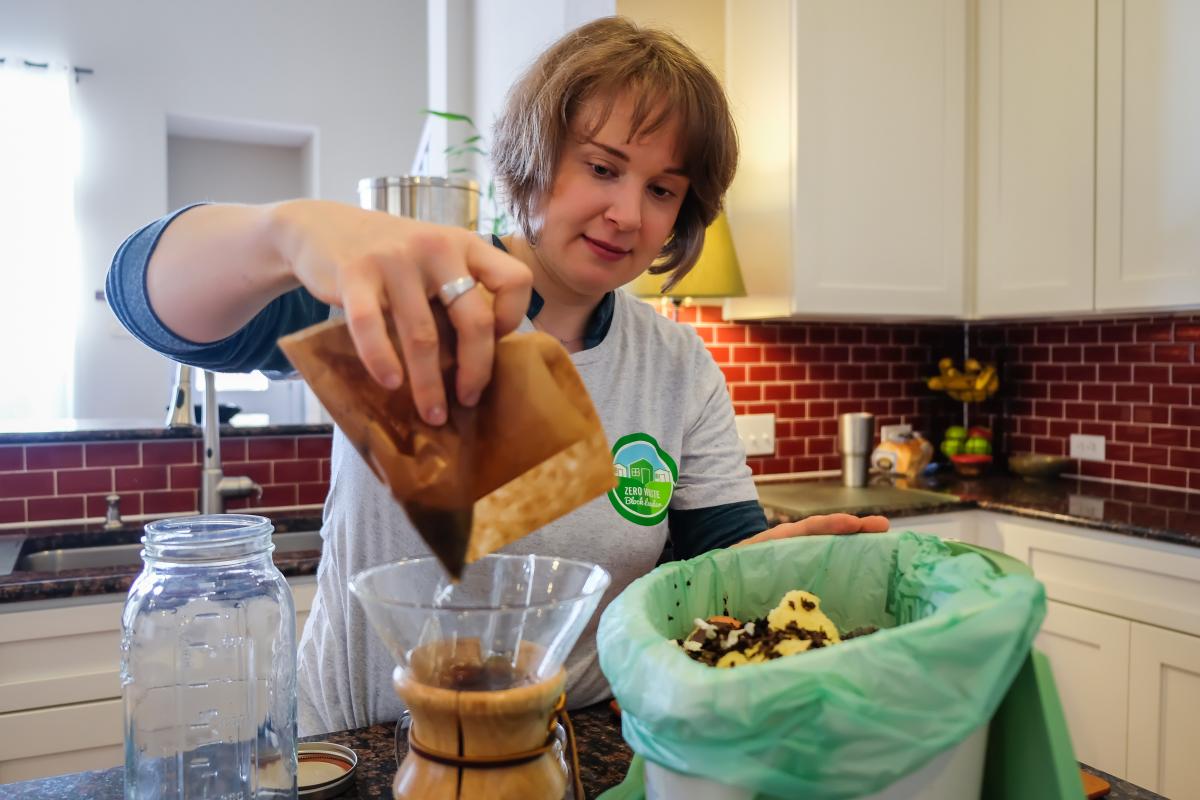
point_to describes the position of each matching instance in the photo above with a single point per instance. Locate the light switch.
(757, 432)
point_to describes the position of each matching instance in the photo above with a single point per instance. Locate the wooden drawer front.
(1138, 579)
(1089, 655)
(59, 656)
(304, 589)
(958, 525)
(73, 654)
(30, 769)
(1164, 712)
(50, 741)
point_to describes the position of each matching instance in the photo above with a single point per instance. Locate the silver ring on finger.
(452, 290)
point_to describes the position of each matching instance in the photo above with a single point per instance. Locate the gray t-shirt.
(666, 412)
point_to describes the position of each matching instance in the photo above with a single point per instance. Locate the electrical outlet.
(1082, 506)
(757, 432)
(1087, 448)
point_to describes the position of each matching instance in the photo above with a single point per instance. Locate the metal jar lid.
(324, 769)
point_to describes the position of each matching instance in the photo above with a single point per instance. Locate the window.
(39, 254)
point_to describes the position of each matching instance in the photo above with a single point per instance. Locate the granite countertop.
(108, 430)
(1145, 512)
(1150, 513)
(603, 759)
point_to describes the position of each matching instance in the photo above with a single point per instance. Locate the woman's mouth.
(605, 250)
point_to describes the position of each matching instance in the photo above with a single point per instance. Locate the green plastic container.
(1029, 748)
(1029, 754)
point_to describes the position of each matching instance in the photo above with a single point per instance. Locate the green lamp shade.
(716, 274)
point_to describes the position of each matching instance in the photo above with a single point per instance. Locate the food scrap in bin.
(796, 625)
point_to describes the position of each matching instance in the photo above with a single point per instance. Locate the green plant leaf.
(456, 150)
(452, 117)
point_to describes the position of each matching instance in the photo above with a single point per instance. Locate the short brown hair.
(668, 81)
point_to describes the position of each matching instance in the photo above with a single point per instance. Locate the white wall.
(239, 172)
(478, 48)
(353, 73)
(700, 24)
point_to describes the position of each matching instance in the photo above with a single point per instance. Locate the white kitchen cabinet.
(1147, 161)
(1089, 654)
(1138, 579)
(850, 196)
(958, 525)
(973, 527)
(1088, 173)
(60, 690)
(42, 742)
(1164, 712)
(1036, 156)
(1123, 635)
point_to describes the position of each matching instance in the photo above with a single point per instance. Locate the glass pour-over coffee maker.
(480, 668)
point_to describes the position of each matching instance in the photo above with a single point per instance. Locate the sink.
(121, 555)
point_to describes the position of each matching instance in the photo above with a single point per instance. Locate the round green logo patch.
(646, 478)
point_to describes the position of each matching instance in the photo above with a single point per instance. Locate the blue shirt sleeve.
(698, 530)
(251, 348)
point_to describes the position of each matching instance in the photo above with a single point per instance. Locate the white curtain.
(39, 253)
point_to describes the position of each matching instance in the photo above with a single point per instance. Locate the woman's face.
(613, 202)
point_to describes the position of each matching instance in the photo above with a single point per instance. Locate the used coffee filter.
(532, 450)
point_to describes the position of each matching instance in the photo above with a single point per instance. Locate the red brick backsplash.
(807, 373)
(1136, 382)
(70, 480)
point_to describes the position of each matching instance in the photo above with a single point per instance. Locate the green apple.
(978, 446)
(956, 432)
(952, 447)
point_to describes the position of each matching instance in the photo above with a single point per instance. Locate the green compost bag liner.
(838, 722)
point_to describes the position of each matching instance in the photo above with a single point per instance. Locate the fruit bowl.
(1033, 466)
(971, 466)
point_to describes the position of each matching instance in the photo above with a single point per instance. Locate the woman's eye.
(661, 192)
(601, 171)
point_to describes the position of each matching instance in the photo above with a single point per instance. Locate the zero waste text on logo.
(646, 478)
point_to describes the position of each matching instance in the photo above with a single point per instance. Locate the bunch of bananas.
(975, 383)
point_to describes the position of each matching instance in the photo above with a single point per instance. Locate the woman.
(614, 150)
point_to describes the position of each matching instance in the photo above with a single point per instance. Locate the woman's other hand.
(821, 525)
(375, 265)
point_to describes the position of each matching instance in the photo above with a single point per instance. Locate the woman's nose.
(625, 209)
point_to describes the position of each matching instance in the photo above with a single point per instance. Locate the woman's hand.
(821, 525)
(374, 264)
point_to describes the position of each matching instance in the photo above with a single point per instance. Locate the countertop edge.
(113, 580)
(152, 434)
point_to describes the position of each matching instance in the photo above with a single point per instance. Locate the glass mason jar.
(208, 664)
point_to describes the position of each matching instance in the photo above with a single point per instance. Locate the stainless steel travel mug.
(856, 438)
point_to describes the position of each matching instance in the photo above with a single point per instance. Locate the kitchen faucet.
(215, 486)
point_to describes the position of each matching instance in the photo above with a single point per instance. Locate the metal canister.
(446, 201)
(856, 438)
